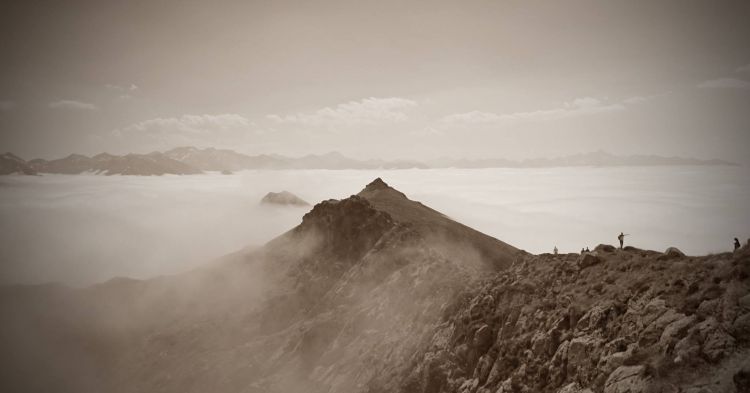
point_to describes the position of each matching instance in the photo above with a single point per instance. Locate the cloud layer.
(577, 107)
(368, 111)
(725, 83)
(72, 105)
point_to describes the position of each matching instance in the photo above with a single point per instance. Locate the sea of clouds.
(82, 229)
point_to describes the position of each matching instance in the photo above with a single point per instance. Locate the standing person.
(621, 238)
(555, 250)
(736, 244)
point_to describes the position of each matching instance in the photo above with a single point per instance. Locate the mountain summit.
(377, 293)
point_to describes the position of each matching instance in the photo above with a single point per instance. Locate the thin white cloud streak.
(368, 111)
(578, 107)
(744, 68)
(219, 130)
(7, 105)
(191, 124)
(724, 83)
(72, 105)
(132, 87)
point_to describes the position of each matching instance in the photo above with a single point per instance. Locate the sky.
(379, 79)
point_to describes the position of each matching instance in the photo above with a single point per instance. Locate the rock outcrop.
(283, 198)
(614, 322)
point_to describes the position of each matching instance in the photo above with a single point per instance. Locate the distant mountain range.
(192, 160)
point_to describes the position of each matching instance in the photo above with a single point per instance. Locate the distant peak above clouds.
(192, 160)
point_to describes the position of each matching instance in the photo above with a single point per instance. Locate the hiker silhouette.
(621, 238)
(736, 244)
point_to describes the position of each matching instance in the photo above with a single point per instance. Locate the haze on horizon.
(416, 80)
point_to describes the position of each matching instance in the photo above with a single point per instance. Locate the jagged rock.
(598, 316)
(588, 259)
(611, 362)
(574, 387)
(675, 331)
(283, 198)
(716, 343)
(583, 355)
(653, 332)
(627, 379)
(483, 339)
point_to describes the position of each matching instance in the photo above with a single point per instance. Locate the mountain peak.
(377, 184)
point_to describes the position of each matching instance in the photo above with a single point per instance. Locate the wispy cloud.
(744, 68)
(368, 111)
(724, 83)
(194, 124)
(132, 87)
(72, 105)
(578, 107)
(6, 105)
(206, 130)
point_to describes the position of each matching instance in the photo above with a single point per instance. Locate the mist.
(84, 229)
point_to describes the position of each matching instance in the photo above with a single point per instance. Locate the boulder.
(588, 259)
(716, 343)
(605, 248)
(675, 331)
(652, 333)
(583, 356)
(627, 379)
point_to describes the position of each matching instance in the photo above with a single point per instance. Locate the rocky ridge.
(610, 321)
(379, 293)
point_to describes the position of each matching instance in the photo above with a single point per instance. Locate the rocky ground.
(378, 293)
(610, 321)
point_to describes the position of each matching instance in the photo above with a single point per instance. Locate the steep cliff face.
(378, 293)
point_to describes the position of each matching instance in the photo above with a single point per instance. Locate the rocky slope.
(610, 321)
(378, 293)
